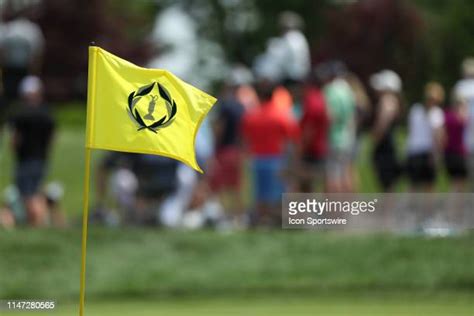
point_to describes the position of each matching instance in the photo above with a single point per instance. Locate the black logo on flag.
(146, 93)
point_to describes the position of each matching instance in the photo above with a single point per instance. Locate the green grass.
(376, 305)
(136, 263)
(148, 272)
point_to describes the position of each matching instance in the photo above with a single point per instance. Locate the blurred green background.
(159, 272)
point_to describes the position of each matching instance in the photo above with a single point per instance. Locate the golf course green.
(447, 304)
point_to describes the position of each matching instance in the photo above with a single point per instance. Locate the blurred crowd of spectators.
(280, 125)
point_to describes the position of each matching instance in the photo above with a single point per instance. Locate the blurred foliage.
(450, 27)
(422, 39)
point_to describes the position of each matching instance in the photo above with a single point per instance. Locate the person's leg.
(310, 174)
(470, 163)
(36, 208)
(347, 184)
(306, 180)
(7, 219)
(232, 167)
(58, 218)
(28, 178)
(334, 173)
(36, 204)
(175, 205)
(456, 167)
(278, 187)
(264, 188)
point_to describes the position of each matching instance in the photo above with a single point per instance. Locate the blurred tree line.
(422, 39)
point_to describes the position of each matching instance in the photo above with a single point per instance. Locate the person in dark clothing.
(33, 129)
(138, 183)
(387, 84)
(226, 172)
(21, 51)
(226, 167)
(157, 179)
(455, 152)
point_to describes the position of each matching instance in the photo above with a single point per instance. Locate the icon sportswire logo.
(146, 93)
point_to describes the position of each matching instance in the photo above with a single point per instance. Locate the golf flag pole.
(85, 217)
(87, 169)
(137, 110)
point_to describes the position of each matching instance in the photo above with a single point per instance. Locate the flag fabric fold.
(140, 110)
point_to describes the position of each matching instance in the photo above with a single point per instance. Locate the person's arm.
(243, 137)
(218, 128)
(15, 141)
(102, 173)
(307, 131)
(293, 134)
(16, 137)
(439, 133)
(101, 177)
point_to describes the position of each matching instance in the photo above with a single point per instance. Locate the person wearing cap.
(464, 89)
(21, 48)
(426, 138)
(32, 129)
(387, 85)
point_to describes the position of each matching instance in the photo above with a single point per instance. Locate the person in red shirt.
(314, 137)
(267, 133)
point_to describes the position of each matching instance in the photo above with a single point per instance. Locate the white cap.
(30, 84)
(240, 75)
(386, 80)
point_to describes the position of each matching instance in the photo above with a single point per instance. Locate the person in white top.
(287, 57)
(464, 89)
(21, 48)
(425, 140)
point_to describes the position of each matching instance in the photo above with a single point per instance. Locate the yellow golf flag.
(140, 110)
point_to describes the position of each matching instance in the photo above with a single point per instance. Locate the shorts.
(226, 170)
(268, 185)
(470, 169)
(421, 168)
(337, 164)
(312, 166)
(455, 165)
(387, 170)
(29, 175)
